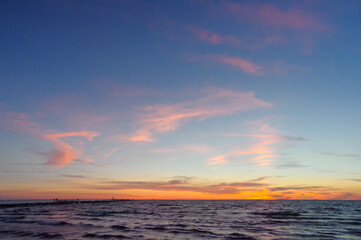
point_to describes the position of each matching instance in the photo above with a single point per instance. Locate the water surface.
(184, 219)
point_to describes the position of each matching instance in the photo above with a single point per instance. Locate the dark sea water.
(157, 219)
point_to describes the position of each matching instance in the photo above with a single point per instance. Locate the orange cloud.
(217, 102)
(88, 135)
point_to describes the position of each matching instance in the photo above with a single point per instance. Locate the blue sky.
(132, 96)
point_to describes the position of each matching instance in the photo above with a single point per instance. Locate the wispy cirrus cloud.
(215, 102)
(240, 63)
(272, 23)
(279, 137)
(73, 176)
(74, 111)
(200, 149)
(20, 123)
(261, 152)
(270, 15)
(214, 38)
(250, 42)
(248, 66)
(111, 152)
(342, 155)
(290, 164)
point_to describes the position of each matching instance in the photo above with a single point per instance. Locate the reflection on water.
(159, 219)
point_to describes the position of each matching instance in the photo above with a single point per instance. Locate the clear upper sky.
(195, 99)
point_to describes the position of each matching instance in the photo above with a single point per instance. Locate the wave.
(279, 214)
(105, 236)
(42, 235)
(239, 236)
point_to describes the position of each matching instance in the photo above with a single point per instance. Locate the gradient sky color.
(194, 99)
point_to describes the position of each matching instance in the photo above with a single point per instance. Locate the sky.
(191, 99)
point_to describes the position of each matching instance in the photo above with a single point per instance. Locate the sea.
(185, 219)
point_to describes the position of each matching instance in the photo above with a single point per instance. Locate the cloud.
(288, 188)
(180, 184)
(245, 65)
(261, 152)
(201, 149)
(216, 102)
(354, 179)
(89, 135)
(73, 176)
(272, 24)
(250, 43)
(291, 164)
(20, 123)
(75, 112)
(64, 153)
(214, 38)
(278, 137)
(111, 152)
(343, 155)
(270, 15)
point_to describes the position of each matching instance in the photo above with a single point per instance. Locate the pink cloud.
(111, 152)
(261, 152)
(201, 149)
(88, 135)
(245, 65)
(214, 38)
(217, 102)
(20, 123)
(278, 137)
(249, 43)
(75, 112)
(275, 39)
(270, 15)
(64, 153)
